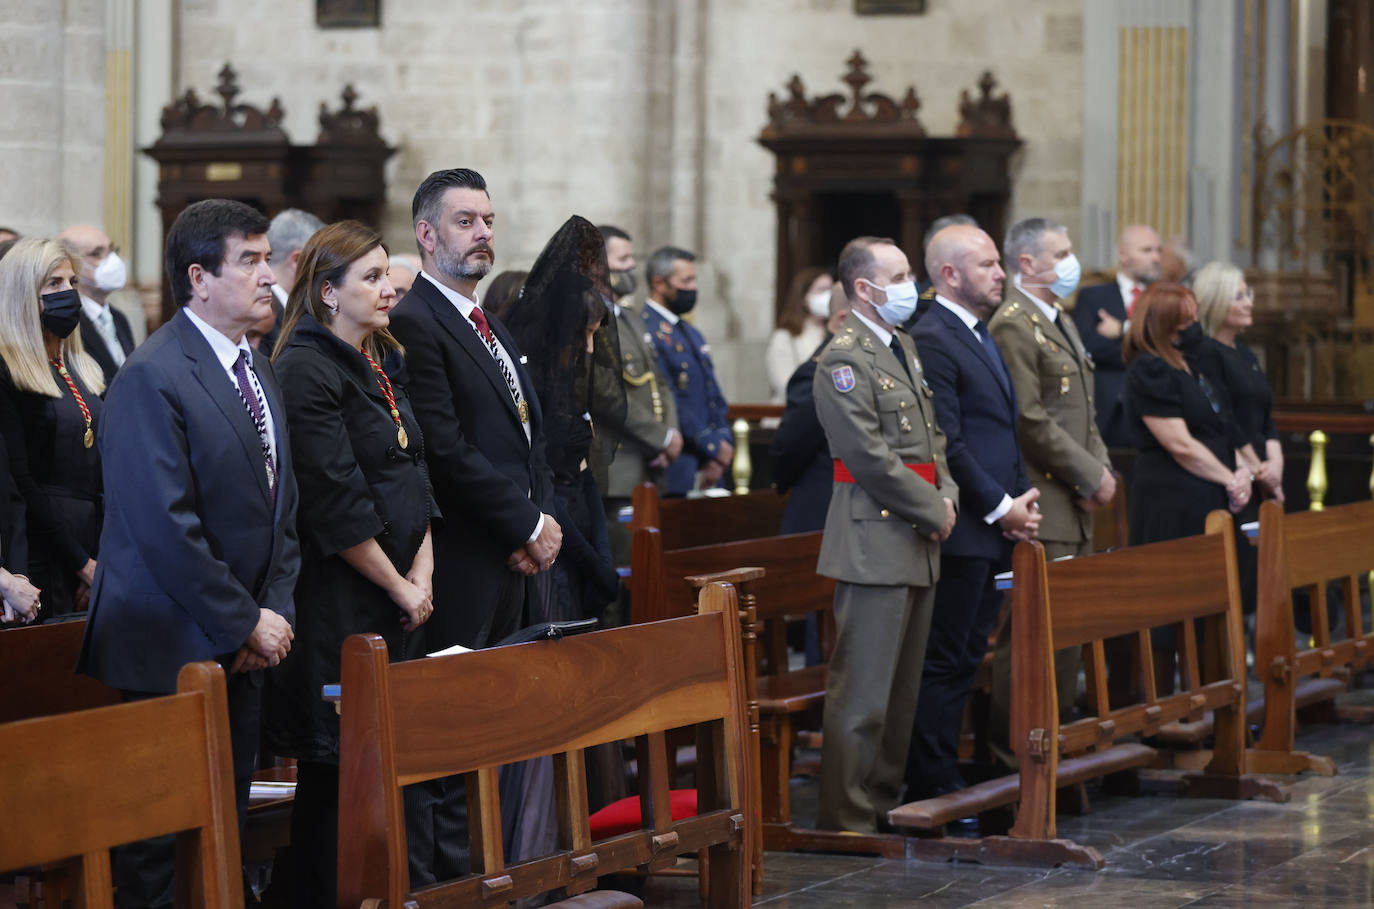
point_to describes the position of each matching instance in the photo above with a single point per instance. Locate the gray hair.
(290, 230)
(944, 221)
(660, 264)
(1027, 237)
(402, 261)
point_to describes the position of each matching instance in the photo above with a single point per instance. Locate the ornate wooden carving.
(348, 126)
(986, 116)
(797, 113)
(861, 162)
(187, 120)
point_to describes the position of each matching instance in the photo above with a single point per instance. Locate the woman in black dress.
(49, 412)
(1179, 424)
(364, 517)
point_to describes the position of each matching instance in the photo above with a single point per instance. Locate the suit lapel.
(462, 331)
(212, 377)
(507, 341)
(970, 339)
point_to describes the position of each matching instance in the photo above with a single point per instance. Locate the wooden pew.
(38, 672)
(1308, 549)
(708, 519)
(1059, 604)
(408, 722)
(78, 783)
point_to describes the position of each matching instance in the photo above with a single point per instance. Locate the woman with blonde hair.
(364, 518)
(49, 412)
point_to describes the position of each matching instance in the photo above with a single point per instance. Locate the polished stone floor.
(1316, 850)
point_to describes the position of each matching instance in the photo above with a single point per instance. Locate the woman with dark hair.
(801, 328)
(1179, 423)
(502, 293)
(363, 520)
(49, 412)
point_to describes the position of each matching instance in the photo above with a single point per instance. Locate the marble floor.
(1316, 850)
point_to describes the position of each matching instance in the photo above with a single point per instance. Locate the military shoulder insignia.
(843, 341)
(843, 376)
(867, 342)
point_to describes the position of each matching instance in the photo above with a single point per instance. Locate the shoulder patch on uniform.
(843, 376)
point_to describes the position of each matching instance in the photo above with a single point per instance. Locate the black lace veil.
(567, 290)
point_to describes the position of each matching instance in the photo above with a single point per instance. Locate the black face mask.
(61, 312)
(682, 302)
(1190, 336)
(623, 283)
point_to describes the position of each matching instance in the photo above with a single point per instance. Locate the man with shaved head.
(1102, 315)
(105, 332)
(892, 504)
(975, 402)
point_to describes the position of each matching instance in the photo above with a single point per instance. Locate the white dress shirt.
(227, 352)
(969, 319)
(465, 308)
(672, 317)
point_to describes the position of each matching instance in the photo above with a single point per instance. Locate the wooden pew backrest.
(708, 519)
(38, 663)
(78, 783)
(408, 722)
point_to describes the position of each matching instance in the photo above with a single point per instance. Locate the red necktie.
(1135, 295)
(479, 319)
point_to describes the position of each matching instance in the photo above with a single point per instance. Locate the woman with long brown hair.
(363, 520)
(801, 328)
(49, 412)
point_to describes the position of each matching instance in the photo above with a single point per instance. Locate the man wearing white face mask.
(105, 332)
(1066, 458)
(893, 503)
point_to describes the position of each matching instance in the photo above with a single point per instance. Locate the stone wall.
(639, 112)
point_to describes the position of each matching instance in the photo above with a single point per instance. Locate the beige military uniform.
(1064, 455)
(650, 408)
(877, 544)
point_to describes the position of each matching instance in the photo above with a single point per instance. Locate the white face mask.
(901, 302)
(1067, 271)
(110, 274)
(818, 304)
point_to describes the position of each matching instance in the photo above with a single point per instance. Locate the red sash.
(925, 470)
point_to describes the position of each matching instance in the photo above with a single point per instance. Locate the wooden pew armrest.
(791, 692)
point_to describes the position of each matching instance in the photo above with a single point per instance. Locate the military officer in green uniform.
(1065, 456)
(649, 439)
(893, 503)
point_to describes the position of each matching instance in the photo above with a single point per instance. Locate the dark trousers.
(966, 605)
(145, 871)
(315, 836)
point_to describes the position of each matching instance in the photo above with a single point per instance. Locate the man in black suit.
(1102, 316)
(199, 556)
(975, 403)
(105, 331)
(484, 438)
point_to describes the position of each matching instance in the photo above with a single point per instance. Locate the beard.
(451, 265)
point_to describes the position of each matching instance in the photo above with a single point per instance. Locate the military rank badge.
(886, 384)
(843, 377)
(904, 424)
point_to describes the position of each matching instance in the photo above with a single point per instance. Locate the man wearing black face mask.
(685, 358)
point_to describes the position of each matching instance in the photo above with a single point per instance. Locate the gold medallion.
(401, 437)
(524, 410)
(88, 439)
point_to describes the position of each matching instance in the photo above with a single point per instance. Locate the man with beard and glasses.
(484, 446)
(685, 357)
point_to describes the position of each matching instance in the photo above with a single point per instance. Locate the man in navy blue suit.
(708, 443)
(199, 556)
(975, 403)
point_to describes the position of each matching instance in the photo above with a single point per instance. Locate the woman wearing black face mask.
(49, 413)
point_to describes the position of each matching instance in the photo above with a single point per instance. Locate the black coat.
(491, 481)
(356, 484)
(801, 457)
(59, 478)
(94, 342)
(1110, 370)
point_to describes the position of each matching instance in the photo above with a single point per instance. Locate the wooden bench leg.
(775, 746)
(1225, 786)
(1005, 850)
(1288, 762)
(1351, 713)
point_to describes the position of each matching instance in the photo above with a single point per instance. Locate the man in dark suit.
(1102, 316)
(484, 439)
(199, 556)
(975, 403)
(685, 357)
(105, 331)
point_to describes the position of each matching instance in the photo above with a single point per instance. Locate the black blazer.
(1106, 353)
(94, 342)
(491, 482)
(192, 547)
(801, 457)
(978, 413)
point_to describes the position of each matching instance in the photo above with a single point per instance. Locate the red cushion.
(624, 815)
